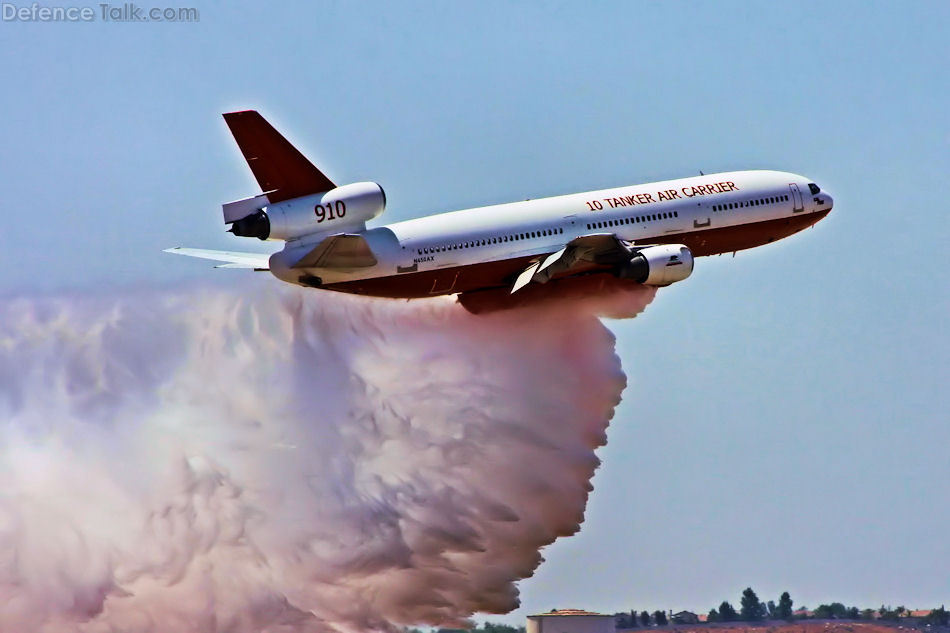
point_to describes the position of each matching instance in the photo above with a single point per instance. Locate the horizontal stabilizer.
(256, 261)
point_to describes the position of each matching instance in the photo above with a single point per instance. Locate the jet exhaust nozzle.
(255, 225)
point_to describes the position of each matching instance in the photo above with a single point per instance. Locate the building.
(571, 621)
(684, 617)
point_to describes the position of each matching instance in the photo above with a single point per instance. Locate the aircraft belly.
(727, 239)
(501, 273)
(429, 283)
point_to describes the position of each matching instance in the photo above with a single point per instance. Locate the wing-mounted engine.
(659, 265)
(345, 208)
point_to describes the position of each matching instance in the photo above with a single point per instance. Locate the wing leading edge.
(345, 251)
(255, 261)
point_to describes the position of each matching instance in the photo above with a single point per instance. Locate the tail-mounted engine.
(659, 265)
(344, 208)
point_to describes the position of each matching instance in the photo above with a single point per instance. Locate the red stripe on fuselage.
(500, 273)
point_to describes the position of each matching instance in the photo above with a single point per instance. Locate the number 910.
(330, 210)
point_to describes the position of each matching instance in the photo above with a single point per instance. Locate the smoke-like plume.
(287, 460)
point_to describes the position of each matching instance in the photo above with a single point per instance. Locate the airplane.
(499, 256)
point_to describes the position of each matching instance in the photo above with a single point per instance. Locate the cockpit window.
(815, 189)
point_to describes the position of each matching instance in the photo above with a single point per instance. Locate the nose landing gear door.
(796, 198)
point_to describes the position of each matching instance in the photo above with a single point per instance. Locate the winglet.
(277, 165)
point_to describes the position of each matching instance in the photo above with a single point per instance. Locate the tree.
(713, 616)
(627, 620)
(751, 609)
(660, 618)
(785, 606)
(867, 614)
(853, 613)
(771, 610)
(645, 618)
(939, 617)
(494, 627)
(727, 613)
(835, 610)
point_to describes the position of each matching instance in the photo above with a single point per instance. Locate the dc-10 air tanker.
(493, 257)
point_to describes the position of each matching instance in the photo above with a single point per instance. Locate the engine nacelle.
(659, 265)
(346, 207)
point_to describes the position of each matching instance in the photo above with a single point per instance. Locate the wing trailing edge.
(595, 249)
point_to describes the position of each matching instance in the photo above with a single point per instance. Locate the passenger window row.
(500, 239)
(749, 203)
(636, 219)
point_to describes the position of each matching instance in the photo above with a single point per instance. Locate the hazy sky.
(786, 424)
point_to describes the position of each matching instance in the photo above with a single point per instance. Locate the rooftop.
(563, 612)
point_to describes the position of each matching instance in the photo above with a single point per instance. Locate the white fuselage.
(711, 214)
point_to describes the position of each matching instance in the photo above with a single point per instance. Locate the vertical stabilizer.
(279, 167)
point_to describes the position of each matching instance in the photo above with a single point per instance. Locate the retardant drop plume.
(284, 460)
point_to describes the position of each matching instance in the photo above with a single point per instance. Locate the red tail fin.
(274, 161)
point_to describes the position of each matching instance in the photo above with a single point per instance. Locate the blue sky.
(786, 423)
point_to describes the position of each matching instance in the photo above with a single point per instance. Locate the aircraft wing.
(345, 250)
(256, 261)
(597, 248)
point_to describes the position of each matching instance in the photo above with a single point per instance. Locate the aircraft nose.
(825, 202)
